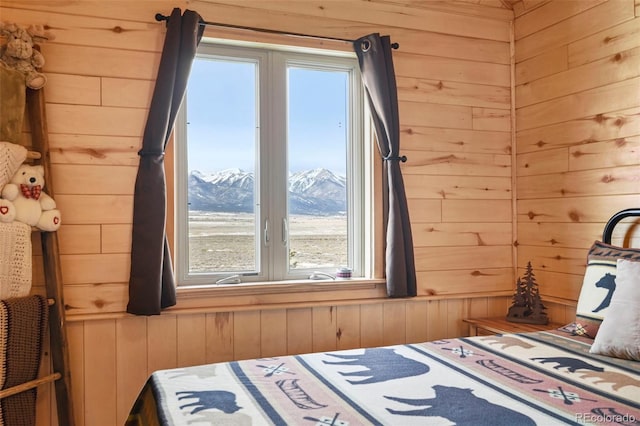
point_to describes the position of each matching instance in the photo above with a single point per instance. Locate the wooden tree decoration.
(527, 305)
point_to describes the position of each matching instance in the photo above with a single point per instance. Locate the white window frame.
(272, 100)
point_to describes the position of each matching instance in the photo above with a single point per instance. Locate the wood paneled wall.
(577, 104)
(455, 71)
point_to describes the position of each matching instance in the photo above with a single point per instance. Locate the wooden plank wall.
(578, 132)
(455, 90)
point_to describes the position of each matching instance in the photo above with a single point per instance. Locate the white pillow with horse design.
(599, 285)
(619, 333)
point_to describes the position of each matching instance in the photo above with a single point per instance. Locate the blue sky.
(222, 117)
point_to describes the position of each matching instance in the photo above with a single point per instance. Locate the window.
(270, 166)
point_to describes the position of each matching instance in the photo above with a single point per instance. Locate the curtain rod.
(160, 17)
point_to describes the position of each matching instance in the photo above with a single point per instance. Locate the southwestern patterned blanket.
(542, 378)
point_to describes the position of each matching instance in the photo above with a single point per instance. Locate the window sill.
(275, 295)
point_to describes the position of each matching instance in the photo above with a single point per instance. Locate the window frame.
(360, 222)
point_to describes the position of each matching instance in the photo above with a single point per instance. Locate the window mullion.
(277, 154)
(265, 231)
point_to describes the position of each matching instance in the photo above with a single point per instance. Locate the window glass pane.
(221, 130)
(317, 152)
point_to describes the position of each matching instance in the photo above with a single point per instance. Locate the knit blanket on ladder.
(23, 322)
(15, 260)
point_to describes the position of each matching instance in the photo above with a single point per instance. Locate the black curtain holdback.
(389, 158)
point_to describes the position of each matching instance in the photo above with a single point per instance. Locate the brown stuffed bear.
(19, 54)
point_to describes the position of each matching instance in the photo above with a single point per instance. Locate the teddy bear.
(19, 53)
(32, 206)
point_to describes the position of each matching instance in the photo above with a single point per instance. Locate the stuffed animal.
(19, 53)
(32, 205)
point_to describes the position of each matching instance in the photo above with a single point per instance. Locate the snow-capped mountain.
(227, 191)
(318, 183)
(313, 192)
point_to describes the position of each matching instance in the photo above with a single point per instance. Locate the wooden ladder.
(53, 278)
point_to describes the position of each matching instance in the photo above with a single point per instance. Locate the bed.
(584, 373)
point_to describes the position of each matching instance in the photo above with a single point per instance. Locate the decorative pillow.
(598, 285)
(619, 334)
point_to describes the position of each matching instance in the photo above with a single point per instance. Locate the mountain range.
(311, 192)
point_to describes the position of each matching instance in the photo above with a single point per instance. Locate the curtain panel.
(151, 281)
(378, 77)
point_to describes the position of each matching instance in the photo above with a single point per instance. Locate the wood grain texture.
(619, 66)
(324, 328)
(388, 14)
(100, 373)
(450, 69)
(542, 65)
(600, 100)
(299, 331)
(94, 149)
(191, 344)
(431, 163)
(595, 182)
(131, 362)
(458, 187)
(605, 43)
(219, 337)
(582, 142)
(75, 333)
(614, 153)
(573, 28)
(416, 321)
(574, 209)
(394, 323)
(246, 335)
(470, 211)
(540, 18)
(348, 327)
(452, 93)
(590, 128)
(451, 282)
(454, 140)
(461, 234)
(162, 341)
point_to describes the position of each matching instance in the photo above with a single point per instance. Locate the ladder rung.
(28, 385)
(34, 155)
(36, 229)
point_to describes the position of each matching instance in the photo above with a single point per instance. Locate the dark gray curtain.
(378, 76)
(151, 282)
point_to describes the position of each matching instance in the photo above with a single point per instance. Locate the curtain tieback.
(390, 158)
(143, 153)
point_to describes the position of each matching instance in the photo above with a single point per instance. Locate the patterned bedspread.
(543, 378)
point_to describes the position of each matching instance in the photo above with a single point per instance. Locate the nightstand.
(500, 325)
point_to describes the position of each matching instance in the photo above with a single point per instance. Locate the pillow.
(619, 334)
(598, 285)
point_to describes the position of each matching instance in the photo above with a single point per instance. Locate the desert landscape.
(226, 241)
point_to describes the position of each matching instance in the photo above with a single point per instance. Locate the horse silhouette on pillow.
(608, 282)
